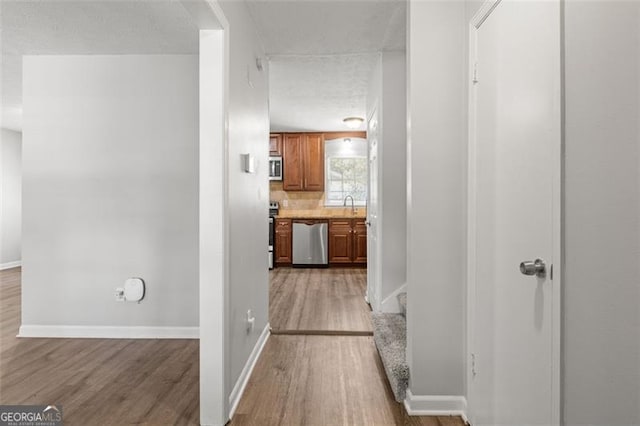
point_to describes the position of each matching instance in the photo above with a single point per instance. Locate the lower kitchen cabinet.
(359, 241)
(340, 241)
(283, 242)
(347, 242)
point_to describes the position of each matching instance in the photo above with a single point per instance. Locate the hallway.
(327, 301)
(323, 380)
(320, 366)
(298, 380)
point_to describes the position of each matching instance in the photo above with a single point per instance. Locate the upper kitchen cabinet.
(303, 157)
(275, 144)
(313, 148)
(293, 179)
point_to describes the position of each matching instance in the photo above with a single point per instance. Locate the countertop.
(326, 213)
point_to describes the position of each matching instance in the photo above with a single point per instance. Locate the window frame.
(328, 180)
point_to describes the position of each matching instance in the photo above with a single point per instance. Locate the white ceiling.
(322, 52)
(314, 93)
(44, 27)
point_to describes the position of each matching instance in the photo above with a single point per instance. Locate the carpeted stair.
(390, 336)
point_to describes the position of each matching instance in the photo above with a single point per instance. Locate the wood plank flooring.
(323, 380)
(299, 380)
(313, 300)
(97, 381)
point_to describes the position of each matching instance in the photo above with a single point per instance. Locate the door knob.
(537, 267)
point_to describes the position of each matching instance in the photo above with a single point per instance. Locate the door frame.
(374, 292)
(213, 269)
(557, 221)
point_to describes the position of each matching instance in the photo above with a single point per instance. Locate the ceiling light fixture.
(353, 122)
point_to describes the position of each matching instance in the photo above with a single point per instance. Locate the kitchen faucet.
(353, 209)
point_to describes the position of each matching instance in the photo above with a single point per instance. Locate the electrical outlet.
(251, 321)
(119, 294)
(285, 203)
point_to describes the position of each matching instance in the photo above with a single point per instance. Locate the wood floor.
(97, 381)
(323, 380)
(307, 301)
(299, 380)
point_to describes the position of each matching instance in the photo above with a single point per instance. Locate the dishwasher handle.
(309, 222)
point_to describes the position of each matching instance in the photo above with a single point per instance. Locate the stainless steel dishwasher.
(310, 243)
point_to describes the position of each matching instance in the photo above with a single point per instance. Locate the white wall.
(436, 182)
(10, 198)
(601, 334)
(387, 92)
(248, 193)
(110, 162)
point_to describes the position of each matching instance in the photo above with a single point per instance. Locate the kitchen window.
(346, 171)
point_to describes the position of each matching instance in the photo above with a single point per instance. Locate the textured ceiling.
(325, 27)
(322, 54)
(314, 93)
(86, 27)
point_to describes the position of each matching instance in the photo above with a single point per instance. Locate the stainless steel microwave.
(275, 167)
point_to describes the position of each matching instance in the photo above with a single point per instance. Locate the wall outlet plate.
(251, 320)
(119, 294)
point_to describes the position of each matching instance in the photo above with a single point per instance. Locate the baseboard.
(436, 405)
(10, 265)
(241, 383)
(108, 332)
(390, 303)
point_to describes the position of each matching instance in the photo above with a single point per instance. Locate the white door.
(514, 213)
(373, 275)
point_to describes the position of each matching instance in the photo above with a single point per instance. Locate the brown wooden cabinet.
(275, 144)
(359, 241)
(340, 241)
(303, 158)
(313, 153)
(293, 168)
(347, 241)
(283, 242)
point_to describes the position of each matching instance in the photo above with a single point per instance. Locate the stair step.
(390, 337)
(402, 300)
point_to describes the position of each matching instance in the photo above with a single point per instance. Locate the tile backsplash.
(296, 200)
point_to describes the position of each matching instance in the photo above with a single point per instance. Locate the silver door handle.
(538, 267)
(367, 223)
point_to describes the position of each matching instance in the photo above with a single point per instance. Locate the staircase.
(390, 337)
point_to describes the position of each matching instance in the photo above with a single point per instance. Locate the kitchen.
(318, 193)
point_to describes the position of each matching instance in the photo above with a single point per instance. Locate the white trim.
(436, 405)
(558, 243)
(214, 222)
(108, 332)
(241, 383)
(391, 304)
(483, 13)
(557, 212)
(10, 265)
(471, 198)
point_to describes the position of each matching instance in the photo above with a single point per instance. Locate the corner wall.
(387, 92)
(110, 183)
(436, 181)
(601, 299)
(10, 199)
(248, 192)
